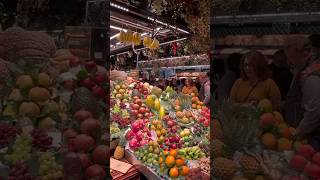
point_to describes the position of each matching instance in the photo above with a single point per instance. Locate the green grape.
(49, 168)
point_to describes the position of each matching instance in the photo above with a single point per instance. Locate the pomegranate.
(89, 126)
(135, 126)
(85, 161)
(133, 143)
(83, 143)
(82, 115)
(96, 171)
(99, 155)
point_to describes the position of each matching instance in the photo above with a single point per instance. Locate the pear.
(9, 111)
(46, 124)
(44, 80)
(24, 82)
(15, 95)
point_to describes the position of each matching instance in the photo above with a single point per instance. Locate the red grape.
(41, 140)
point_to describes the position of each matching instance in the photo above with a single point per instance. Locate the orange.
(200, 103)
(174, 173)
(269, 140)
(193, 94)
(173, 152)
(194, 106)
(179, 162)
(284, 144)
(184, 170)
(199, 107)
(170, 161)
(284, 131)
(159, 126)
(153, 127)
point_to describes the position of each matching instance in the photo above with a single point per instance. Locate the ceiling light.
(165, 24)
(118, 28)
(119, 7)
(114, 36)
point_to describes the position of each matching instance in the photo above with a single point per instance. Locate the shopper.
(281, 73)
(205, 94)
(255, 84)
(307, 56)
(179, 85)
(232, 73)
(189, 88)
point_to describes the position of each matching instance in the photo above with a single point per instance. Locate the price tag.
(56, 138)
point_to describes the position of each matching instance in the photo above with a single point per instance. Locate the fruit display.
(157, 136)
(256, 143)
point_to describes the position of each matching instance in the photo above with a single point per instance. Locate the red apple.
(90, 66)
(142, 110)
(87, 83)
(173, 146)
(100, 78)
(135, 112)
(98, 91)
(140, 115)
(85, 160)
(146, 114)
(147, 110)
(138, 101)
(135, 106)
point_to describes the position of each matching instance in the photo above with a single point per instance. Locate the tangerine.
(269, 140)
(179, 162)
(170, 161)
(173, 152)
(194, 106)
(166, 152)
(284, 144)
(199, 107)
(160, 160)
(184, 170)
(194, 99)
(174, 173)
(163, 131)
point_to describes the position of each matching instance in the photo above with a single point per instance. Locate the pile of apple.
(139, 134)
(139, 109)
(89, 78)
(143, 88)
(121, 92)
(307, 161)
(205, 118)
(84, 142)
(172, 126)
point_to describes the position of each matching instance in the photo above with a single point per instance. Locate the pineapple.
(185, 101)
(224, 168)
(217, 146)
(250, 165)
(119, 152)
(82, 98)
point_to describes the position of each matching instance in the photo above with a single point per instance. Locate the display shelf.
(198, 67)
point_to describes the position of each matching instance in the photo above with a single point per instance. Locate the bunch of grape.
(198, 129)
(20, 171)
(112, 103)
(41, 140)
(123, 105)
(7, 133)
(21, 149)
(49, 168)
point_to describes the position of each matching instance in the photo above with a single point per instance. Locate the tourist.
(255, 84)
(190, 88)
(304, 57)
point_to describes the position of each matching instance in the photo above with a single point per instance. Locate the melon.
(265, 105)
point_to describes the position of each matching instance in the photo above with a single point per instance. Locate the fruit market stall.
(53, 123)
(256, 143)
(161, 133)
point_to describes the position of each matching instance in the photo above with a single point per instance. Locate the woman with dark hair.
(190, 88)
(255, 83)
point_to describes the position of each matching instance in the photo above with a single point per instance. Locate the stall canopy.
(128, 17)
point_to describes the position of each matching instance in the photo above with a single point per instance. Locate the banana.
(154, 45)
(121, 36)
(147, 41)
(129, 37)
(136, 38)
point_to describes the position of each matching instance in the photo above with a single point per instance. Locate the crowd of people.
(199, 87)
(291, 82)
